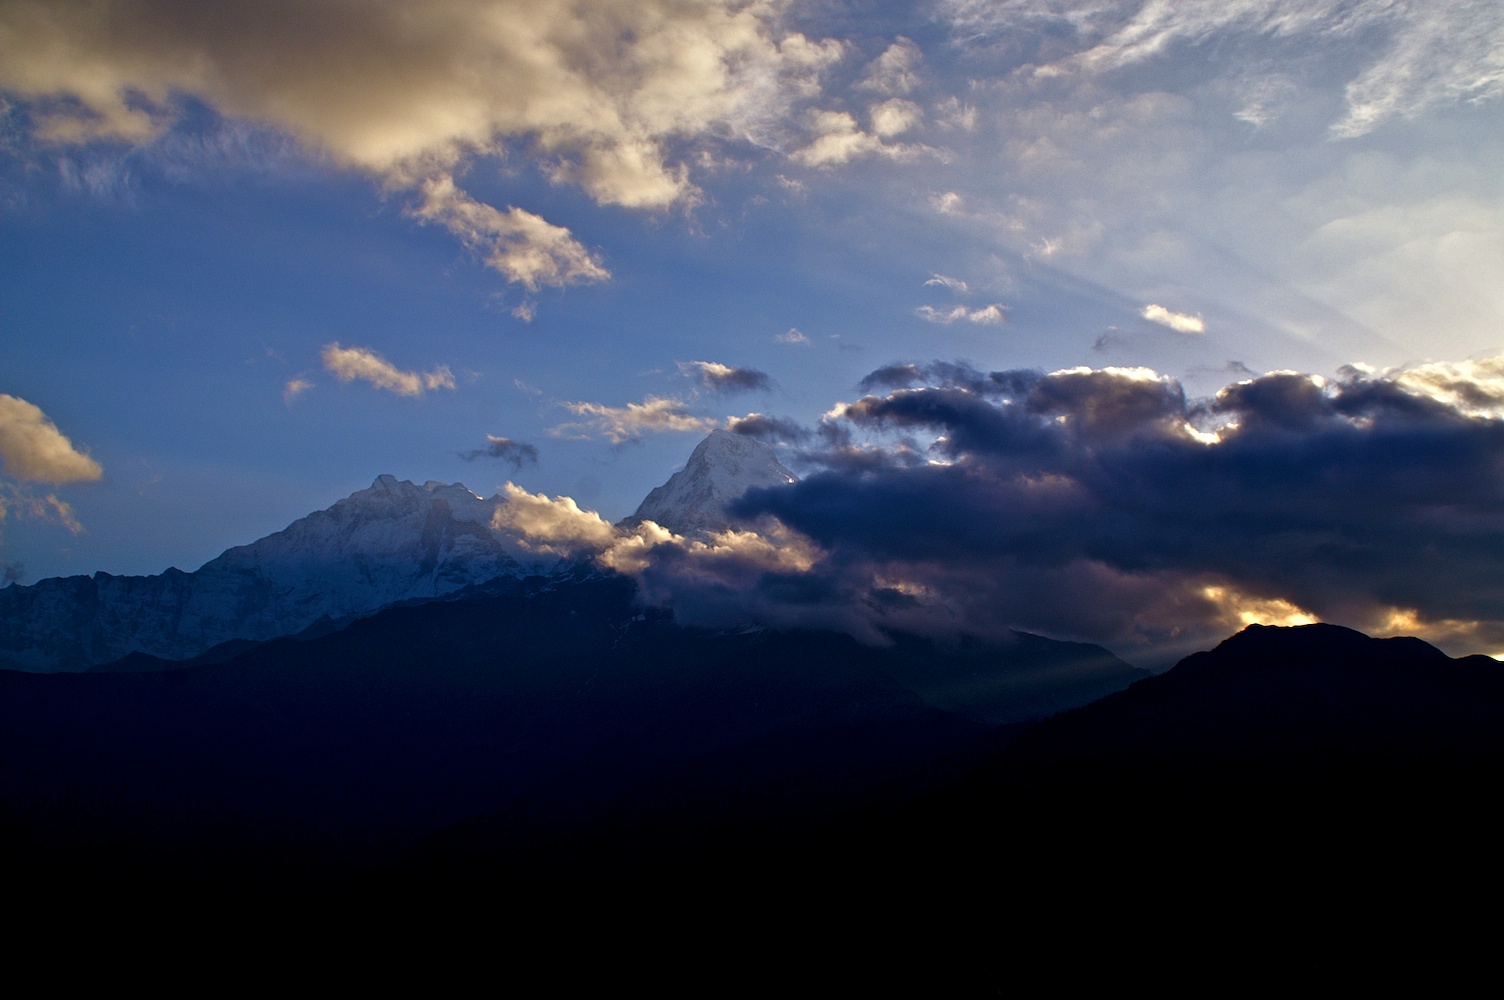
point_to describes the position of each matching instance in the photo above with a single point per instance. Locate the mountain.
(1312, 749)
(719, 470)
(557, 741)
(392, 542)
(538, 714)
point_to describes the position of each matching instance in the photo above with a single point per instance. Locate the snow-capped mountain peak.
(720, 469)
(394, 541)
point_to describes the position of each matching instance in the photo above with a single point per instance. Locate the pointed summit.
(721, 469)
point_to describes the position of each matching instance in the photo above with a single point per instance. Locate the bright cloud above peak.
(620, 424)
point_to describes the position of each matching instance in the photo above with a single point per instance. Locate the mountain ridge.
(390, 542)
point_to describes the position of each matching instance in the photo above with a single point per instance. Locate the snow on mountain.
(392, 542)
(719, 470)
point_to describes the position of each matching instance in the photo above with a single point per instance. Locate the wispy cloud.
(525, 247)
(350, 363)
(838, 138)
(954, 284)
(992, 314)
(620, 424)
(515, 453)
(792, 336)
(773, 430)
(1179, 322)
(1407, 55)
(896, 71)
(294, 388)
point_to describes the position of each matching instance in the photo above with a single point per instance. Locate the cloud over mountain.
(1104, 503)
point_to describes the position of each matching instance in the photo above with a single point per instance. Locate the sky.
(1120, 320)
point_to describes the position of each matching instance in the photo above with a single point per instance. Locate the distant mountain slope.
(554, 708)
(394, 541)
(551, 702)
(721, 468)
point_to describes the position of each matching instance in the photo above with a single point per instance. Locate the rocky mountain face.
(392, 542)
(721, 469)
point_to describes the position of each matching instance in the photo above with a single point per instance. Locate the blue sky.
(255, 257)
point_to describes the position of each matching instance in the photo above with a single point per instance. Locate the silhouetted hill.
(1284, 762)
(540, 714)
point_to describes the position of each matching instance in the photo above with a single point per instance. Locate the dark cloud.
(949, 374)
(772, 430)
(12, 572)
(515, 453)
(715, 377)
(1104, 504)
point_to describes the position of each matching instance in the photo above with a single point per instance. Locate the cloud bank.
(1104, 504)
(599, 94)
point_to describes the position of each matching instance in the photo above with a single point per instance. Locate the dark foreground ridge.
(538, 715)
(556, 743)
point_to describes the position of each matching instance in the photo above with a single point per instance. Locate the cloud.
(599, 94)
(793, 336)
(894, 117)
(954, 284)
(294, 388)
(620, 424)
(838, 140)
(19, 500)
(726, 577)
(896, 71)
(1105, 504)
(1407, 56)
(350, 363)
(1101, 504)
(994, 313)
(525, 247)
(556, 526)
(773, 430)
(715, 377)
(1179, 322)
(34, 450)
(515, 453)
